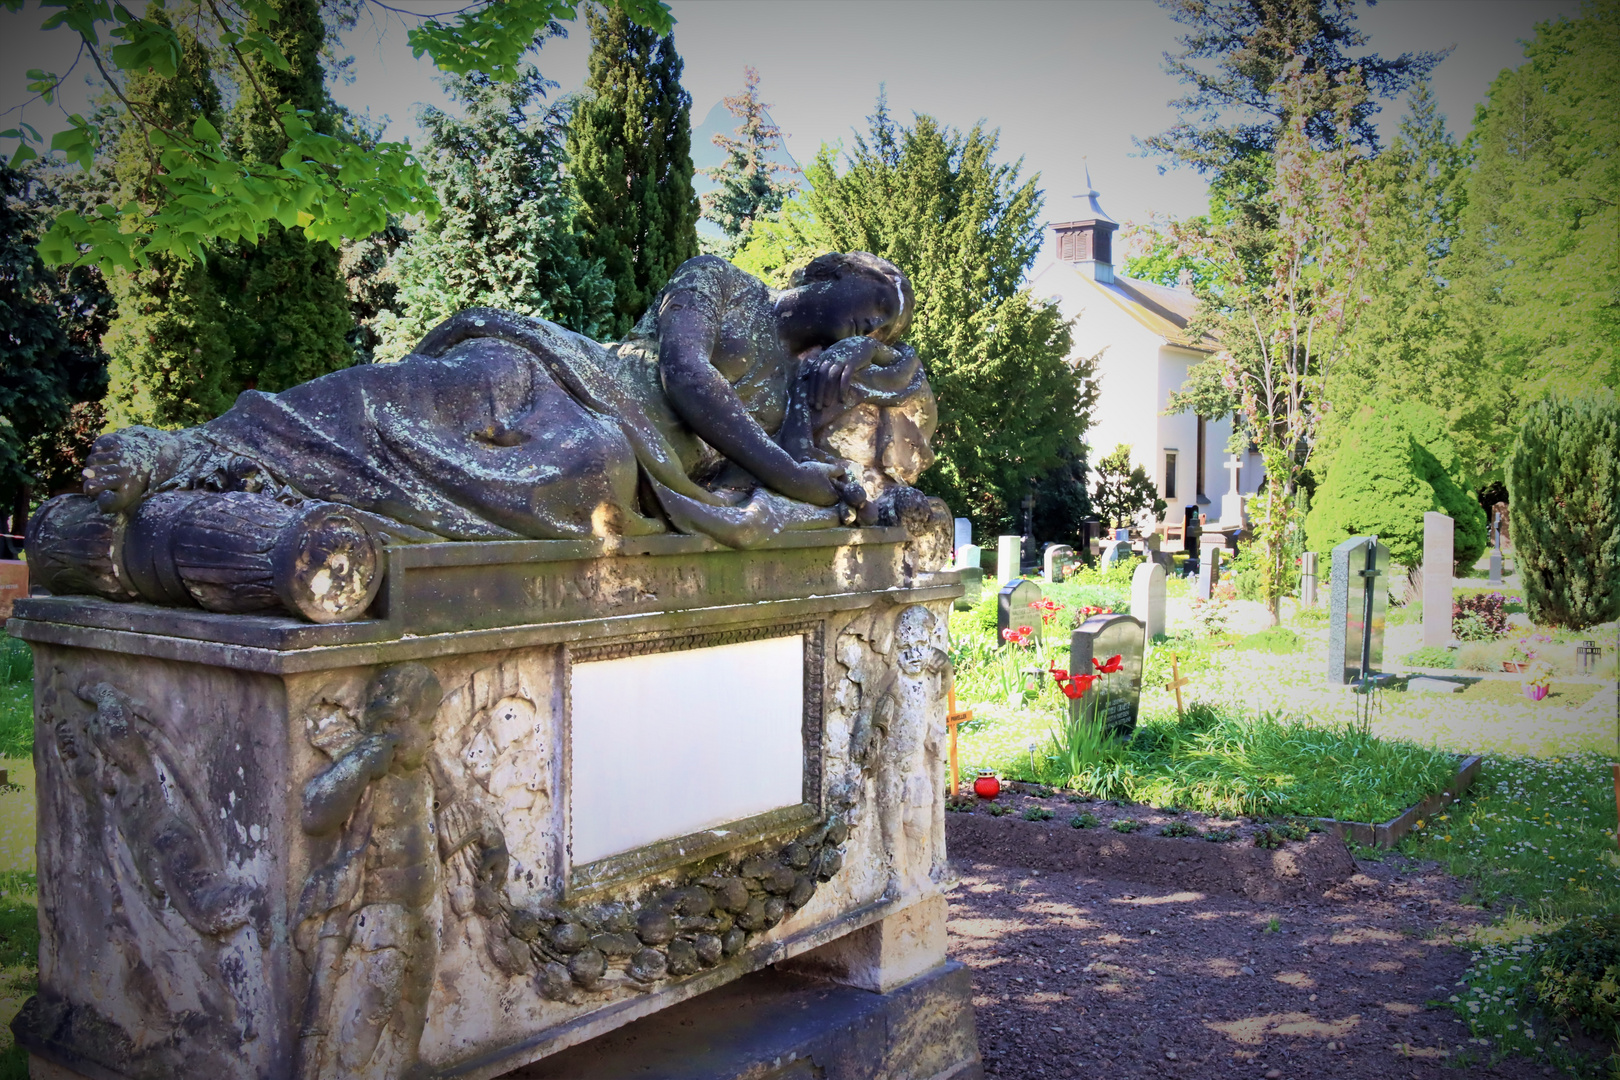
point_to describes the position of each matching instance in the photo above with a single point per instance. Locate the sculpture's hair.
(411, 684)
(834, 265)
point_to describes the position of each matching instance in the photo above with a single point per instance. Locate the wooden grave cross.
(954, 719)
(1177, 681)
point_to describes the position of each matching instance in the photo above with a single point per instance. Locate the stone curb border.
(1389, 833)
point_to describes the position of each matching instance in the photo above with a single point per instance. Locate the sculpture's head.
(403, 700)
(913, 634)
(849, 294)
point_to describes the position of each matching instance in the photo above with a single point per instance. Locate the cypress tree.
(1563, 480)
(169, 356)
(289, 308)
(630, 145)
(748, 188)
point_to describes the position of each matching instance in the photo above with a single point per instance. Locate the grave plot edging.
(1389, 833)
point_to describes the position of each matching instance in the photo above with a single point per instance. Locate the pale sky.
(1067, 83)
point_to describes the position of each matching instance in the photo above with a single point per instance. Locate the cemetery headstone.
(1438, 556)
(1090, 535)
(1232, 502)
(1008, 549)
(1147, 597)
(1014, 608)
(964, 533)
(1496, 568)
(1190, 528)
(1101, 638)
(1209, 570)
(13, 584)
(969, 555)
(972, 586)
(1059, 561)
(1122, 534)
(1359, 600)
(1307, 579)
(1113, 551)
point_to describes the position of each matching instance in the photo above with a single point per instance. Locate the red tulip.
(1113, 664)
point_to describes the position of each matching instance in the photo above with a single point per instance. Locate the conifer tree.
(504, 236)
(931, 199)
(630, 148)
(289, 308)
(169, 355)
(748, 188)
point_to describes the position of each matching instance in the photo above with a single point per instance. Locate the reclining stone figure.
(731, 411)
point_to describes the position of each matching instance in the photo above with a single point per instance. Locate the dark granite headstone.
(1354, 624)
(1099, 638)
(1013, 608)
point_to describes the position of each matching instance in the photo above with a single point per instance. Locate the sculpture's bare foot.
(121, 465)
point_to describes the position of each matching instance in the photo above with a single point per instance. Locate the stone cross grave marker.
(1059, 559)
(1360, 597)
(1013, 608)
(1438, 556)
(1101, 638)
(1232, 502)
(1209, 569)
(964, 533)
(1007, 555)
(1147, 597)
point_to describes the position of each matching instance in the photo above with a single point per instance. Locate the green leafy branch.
(321, 184)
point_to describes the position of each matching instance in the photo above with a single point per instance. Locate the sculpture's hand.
(376, 754)
(816, 482)
(118, 471)
(834, 367)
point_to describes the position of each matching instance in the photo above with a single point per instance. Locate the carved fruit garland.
(679, 931)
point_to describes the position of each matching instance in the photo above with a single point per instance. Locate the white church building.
(1139, 328)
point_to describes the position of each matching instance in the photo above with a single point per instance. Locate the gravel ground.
(1084, 976)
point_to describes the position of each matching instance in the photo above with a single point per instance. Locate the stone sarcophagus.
(387, 849)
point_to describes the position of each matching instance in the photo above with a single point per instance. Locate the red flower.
(1019, 636)
(1058, 674)
(1026, 630)
(1113, 664)
(1077, 685)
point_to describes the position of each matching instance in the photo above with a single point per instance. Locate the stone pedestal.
(1438, 556)
(547, 790)
(774, 1025)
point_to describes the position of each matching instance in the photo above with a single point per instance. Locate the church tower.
(1088, 241)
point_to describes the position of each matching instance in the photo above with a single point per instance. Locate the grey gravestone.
(1122, 534)
(1013, 608)
(964, 533)
(972, 587)
(1147, 597)
(1059, 559)
(969, 555)
(1090, 535)
(1007, 555)
(1438, 537)
(1307, 579)
(1099, 638)
(1360, 596)
(1496, 568)
(1113, 551)
(1209, 570)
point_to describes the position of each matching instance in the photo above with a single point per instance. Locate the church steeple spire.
(1088, 240)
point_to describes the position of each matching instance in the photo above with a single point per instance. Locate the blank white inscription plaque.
(671, 743)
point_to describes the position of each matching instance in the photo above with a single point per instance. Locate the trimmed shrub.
(1393, 465)
(1563, 478)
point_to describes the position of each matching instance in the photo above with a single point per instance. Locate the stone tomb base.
(775, 1025)
(397, 849)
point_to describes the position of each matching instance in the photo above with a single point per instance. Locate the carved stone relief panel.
(156, 849)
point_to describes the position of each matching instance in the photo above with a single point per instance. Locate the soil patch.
(1092, 961)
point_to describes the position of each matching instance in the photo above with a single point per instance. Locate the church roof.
(1163, 310)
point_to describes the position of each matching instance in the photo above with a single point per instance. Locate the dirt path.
(1084, 976)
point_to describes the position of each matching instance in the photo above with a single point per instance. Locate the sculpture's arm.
(708, 403)
(331, 797)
